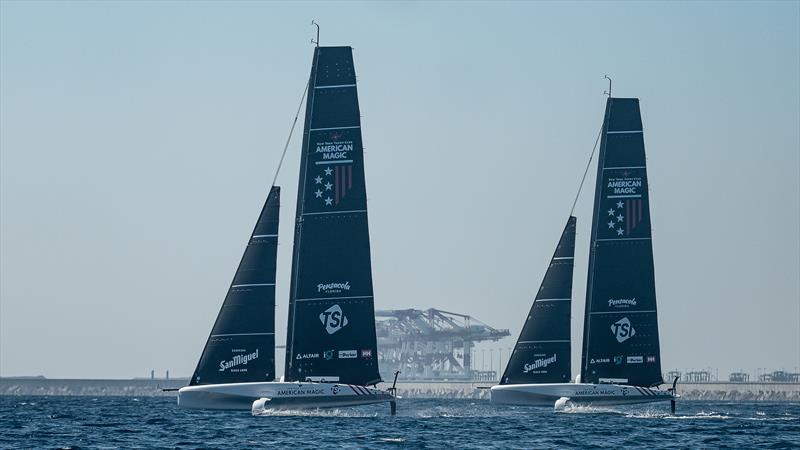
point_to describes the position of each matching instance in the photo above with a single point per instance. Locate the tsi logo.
(333, 319)
(622, 330)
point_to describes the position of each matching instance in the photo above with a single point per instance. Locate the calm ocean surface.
(125, 422)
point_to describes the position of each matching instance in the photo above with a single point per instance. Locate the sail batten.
(620, 337)
(241, 346)
(331, 331)
(542, 352)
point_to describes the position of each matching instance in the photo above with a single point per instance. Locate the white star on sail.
(611, 224)
(328, 201)
(328, 186)
(318, 179)
(328, 171)
(611, 212)
(619, 204)
(620, 217)
(619, 232)
(318, 193)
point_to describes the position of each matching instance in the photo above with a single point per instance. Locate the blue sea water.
(157, 422)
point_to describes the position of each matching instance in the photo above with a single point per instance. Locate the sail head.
(241, 347)
(621, 342)
(542, 352)
(331, 331)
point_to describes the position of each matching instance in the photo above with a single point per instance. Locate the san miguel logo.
(238, 360)
(625, 207)
(622, 330)
(539, 364)
(333, 319)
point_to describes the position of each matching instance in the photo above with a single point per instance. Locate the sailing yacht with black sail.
(621, 359)
(331, 348)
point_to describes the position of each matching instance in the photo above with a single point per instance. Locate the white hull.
(577, 393)
(278, 395)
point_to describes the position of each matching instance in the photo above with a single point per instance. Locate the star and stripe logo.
(333, 183)
(624, 215)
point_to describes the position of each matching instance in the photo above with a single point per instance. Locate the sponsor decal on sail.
(332, 184)
(622, 302)
(333, 288)
(348, 354)
(366, 353)
(539, 364)
(651, 359)
(599, 360)
(238, 360)
(307, 356)
(328, 355)
(333, 319)
(635, 360)
(625, 207)
(334, 147)
(622, 330)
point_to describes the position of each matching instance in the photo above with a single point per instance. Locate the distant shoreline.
(145, 387)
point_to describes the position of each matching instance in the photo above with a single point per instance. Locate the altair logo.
(538, 364)
(333, 288)
(237, 360)
(622, 330)
(333, 319)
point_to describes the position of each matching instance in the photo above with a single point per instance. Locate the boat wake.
(333, 412)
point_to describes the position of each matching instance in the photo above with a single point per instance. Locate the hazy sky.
(138, 141)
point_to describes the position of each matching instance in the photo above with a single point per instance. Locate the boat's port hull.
(577, 393)
(280, 395)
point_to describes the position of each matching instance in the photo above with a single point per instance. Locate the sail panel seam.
(625, 132)
(333, 128)
(253, 284)
(536, 342)
(335, 86)
(623, 312)
(332, 298)
(243, 334)
(624, 239)
(336, 212)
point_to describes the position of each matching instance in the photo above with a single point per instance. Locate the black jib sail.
(241, 347)
(331, 330)
(620, 331)
(542, 353)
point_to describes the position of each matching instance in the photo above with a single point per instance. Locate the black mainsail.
(542, 352)
(331, 330)
(620, 332)
(241, 347)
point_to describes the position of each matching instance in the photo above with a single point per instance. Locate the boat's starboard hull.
(279, 395)
(576, 393)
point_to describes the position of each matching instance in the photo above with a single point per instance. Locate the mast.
(331, 330)
(542, 352)
(620, 332)
(241, 346)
